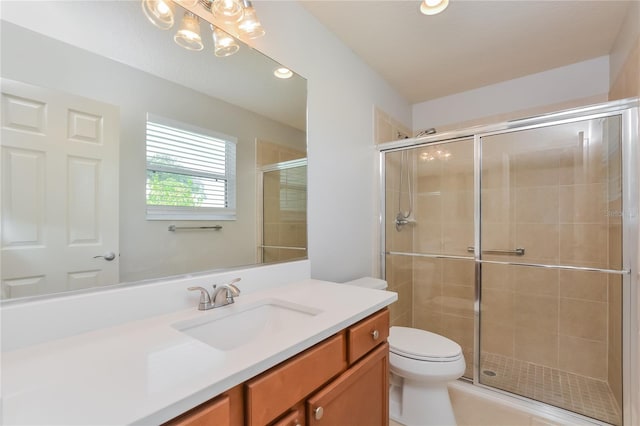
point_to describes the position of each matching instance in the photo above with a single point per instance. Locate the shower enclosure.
(517, 241)
(282, 215)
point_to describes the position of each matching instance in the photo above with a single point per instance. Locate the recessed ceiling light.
(433, 7)
(283, 72)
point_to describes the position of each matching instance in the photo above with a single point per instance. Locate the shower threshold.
(583, 395)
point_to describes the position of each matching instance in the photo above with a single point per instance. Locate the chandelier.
(435, 154)
(239, 15)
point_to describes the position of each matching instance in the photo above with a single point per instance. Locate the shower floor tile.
(584, 395)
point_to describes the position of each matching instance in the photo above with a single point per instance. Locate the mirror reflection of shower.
(404, 217)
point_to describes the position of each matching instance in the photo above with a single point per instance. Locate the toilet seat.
(422, 345)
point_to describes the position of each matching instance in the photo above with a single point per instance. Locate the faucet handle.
(230, 286)
(205, 298)
(234, 289)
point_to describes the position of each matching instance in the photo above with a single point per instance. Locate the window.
(191, 172)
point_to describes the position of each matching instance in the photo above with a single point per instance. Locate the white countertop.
(148, 372)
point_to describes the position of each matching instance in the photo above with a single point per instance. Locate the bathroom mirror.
(83, 85)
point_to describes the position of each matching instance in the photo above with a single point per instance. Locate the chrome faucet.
(223, 295)
(230, 291)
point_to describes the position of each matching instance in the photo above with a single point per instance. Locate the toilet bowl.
(421, 364)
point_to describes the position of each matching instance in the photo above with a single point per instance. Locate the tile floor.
(584, 395)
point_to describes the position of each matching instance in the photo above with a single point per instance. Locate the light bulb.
(188, 36)
(433, 7)
(224, 44)
(229, 11)
(283, 73)
(250, 25)
(159, 12)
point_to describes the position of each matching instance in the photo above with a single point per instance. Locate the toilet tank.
(369, 282)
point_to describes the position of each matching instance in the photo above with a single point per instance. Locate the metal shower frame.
(630, 144)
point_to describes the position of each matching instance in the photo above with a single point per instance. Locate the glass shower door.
(429, 227)
(284, 212)
(551, 280)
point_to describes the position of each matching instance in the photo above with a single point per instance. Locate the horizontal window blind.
(293, 189)
(190, 172)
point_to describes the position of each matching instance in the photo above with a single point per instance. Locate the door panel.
(554, 193)
(550, 205)
(359, 397)
(59, 191)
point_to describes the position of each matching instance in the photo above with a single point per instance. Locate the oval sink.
(251, 323)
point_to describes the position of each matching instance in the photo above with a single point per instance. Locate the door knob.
(108, 256)
(375, 334)
(318, 412)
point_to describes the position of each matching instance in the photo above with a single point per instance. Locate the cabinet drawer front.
(367, 334)
(213, 413)
(273, 393)
(359, 397)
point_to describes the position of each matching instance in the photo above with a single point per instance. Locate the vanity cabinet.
(343, 380)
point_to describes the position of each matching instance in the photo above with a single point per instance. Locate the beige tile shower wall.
(388, 129)
(552, 202)
(443, 294)
(444, 288)
(272, 153)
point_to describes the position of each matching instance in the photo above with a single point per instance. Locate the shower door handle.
(517, 251)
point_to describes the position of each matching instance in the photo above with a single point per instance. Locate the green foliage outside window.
(172, 189)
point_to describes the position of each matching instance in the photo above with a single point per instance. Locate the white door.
(59, 163)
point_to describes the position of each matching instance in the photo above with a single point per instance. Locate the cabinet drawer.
(274, 392)
(367, 334)
(216, 412)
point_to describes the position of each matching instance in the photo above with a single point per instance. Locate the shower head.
(425, 132)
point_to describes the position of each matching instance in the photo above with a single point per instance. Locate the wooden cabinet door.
(359, 397)
(271, 394)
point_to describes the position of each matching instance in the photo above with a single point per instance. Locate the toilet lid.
(423, 345)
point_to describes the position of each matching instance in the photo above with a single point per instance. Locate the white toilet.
(421, 364)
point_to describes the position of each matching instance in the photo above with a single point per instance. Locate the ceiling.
(473, 43)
